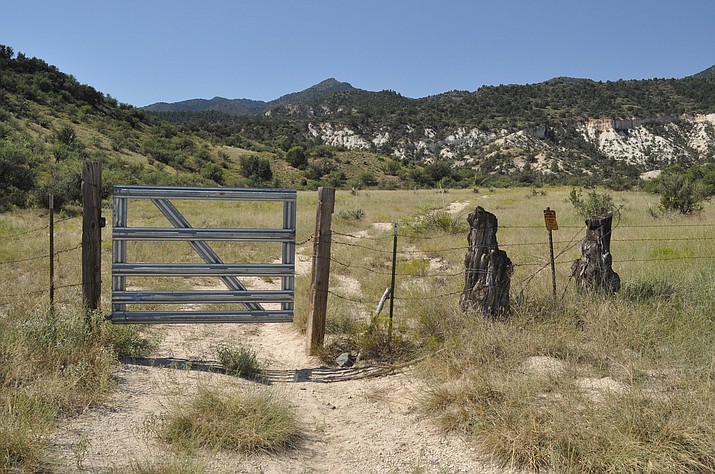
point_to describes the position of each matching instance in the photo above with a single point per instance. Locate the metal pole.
(553, 265)
(52, 252)
(392, 288)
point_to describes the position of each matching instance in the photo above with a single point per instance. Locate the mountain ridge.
(247, 107)
(561, 131)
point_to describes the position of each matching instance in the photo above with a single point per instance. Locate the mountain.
(564, 129)
(247, 107)
(561, 131)
(239, 107)
(708, 73)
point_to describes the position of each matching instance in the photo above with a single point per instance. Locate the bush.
(595, 203)
(679, 193)
(17, 175)
(256, 168)
(242, 362)
(296, 157)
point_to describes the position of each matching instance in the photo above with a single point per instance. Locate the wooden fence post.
(315, 331)
(487, 270)
(91, 234)
(593, 270)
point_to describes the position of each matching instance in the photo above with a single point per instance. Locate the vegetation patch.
(52, 363)
(251, 421)
(241, 361)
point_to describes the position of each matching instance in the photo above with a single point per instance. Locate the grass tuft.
(241, 361)
(251, 421)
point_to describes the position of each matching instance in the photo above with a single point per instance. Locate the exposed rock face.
(655, 142)
(338, 137)
(648, 144)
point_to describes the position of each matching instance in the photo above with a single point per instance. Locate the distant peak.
(331, 83)
(707, 73)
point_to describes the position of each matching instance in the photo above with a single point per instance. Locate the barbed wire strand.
(36, 229)
(7, 298)
(39, 257)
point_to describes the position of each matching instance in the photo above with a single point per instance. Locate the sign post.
(551, 225)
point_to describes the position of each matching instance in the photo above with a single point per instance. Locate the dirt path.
(352, 425)
(364, 425)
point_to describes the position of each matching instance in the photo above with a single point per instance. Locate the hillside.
(566, 130)
(708, 73)
(562, 130)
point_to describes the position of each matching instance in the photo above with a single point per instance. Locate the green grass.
(251, 421)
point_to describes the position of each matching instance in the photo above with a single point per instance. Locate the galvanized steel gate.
(228, 273)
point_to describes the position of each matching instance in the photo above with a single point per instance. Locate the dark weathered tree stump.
(487, 270)
(593, 270)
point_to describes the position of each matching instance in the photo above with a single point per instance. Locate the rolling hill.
(565, 130)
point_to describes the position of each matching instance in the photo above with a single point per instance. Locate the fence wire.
(563, 246)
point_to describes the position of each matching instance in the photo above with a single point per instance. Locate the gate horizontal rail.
(198, 297)
(199, 269)
(231, 194)
(241, 235)
(228, 273)
(168, 317)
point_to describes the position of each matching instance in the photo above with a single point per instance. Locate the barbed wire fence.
(528, 265)
(533, 262)
(28, 238)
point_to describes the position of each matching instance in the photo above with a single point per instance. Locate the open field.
(579, 383)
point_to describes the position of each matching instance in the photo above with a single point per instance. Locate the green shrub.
(351, 214)
(679, 193)
(256, 168)
(595, 203)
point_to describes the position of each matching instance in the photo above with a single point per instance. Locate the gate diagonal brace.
(204, 250)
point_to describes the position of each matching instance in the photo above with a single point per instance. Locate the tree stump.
(487, 270)
(593, 270)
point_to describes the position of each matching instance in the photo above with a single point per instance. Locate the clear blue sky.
(145, 51)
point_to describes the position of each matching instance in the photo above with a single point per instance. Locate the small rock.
(345, 360)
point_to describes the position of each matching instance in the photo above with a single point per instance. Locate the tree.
(296, 157)
(6, 52)
(16, 175)
(213, 172)
(256, 168)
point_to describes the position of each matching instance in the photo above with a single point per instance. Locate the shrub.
(256, 168)
(595, 203)
(351, 214)
(296, 157)
(679, 193)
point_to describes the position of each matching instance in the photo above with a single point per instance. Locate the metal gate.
(198, 238)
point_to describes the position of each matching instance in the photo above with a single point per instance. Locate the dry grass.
(634, 391)
(250, 421)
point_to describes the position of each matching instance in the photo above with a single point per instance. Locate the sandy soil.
(353, 421)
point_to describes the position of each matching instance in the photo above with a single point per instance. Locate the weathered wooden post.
(91, 234)
(315, 330)
(487, 270)
(593, 270)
